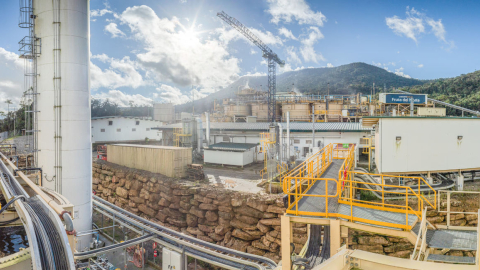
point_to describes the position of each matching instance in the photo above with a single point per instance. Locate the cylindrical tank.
(64, 137)
(298, 112)
(244, 110)
(260, 110)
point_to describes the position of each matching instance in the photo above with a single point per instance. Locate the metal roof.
(127, 117)
(231, 146)
(294, 126)
(369, 121)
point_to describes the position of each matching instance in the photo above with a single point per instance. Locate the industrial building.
(301, 136)
(111, 129)
(399, 212)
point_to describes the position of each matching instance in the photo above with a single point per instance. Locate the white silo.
(64, 140)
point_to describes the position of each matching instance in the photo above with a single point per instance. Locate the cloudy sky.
(159, 50)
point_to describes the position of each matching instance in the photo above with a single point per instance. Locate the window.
(134, 129)
(309, 142)
(110, 123)
(102, 130)
(226, 138)
(119, 129)
(148, 129)
(137, 123)
(296, 141)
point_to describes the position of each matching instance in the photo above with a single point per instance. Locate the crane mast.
(272, 59)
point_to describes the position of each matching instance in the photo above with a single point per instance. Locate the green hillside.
(346, 79)
(463, 90)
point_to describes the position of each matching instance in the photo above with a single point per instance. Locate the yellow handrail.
(299, 181)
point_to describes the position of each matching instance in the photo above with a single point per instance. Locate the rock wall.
(391, 246)
(241, 221)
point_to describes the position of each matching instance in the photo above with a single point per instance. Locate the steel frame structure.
(272, 59)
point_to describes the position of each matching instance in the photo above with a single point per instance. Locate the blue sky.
(152, 50)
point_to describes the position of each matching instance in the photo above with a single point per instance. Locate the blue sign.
(403, 98)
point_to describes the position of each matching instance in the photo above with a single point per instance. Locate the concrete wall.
(229, 157)
(428, 144)
(126, 133)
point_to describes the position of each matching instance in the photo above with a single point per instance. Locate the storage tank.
(163, 112)
(64, 137)
(244, 110)
(298, 112)
(260, 110)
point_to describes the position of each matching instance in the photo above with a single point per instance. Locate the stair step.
(451, 259)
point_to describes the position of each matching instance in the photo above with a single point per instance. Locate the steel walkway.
(450, 239)
(317, 204)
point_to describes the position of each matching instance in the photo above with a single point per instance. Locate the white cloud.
(288, 68)
(414, 25)
(121, 73)
(420, 66)
(399, 72)
(228, 35)
(287, 33)
(172, 94)
(122, 99)
(299, 10)
(113, 30)
(307, 51)
(292, 56)
(329, 65)
(411, 27)
(173, 53)
(99, 12)
(252, 51)
(11, 78)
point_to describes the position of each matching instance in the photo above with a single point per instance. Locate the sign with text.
(402, 98)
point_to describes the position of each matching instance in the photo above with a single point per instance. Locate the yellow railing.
(298, 182)
(312, 167)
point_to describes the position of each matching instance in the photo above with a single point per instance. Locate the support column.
(335, 237)
(286, 240)
(429, 178)
(460, 179)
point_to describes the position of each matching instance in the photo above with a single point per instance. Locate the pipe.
(280, 142)
(207, 131)
(313, 126)
(288, 136)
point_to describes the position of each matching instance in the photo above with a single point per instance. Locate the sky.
(148, 51)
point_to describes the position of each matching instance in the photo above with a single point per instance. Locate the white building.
(110, 129)
(426, 144)
(300, 134)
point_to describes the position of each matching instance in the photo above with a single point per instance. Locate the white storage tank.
(64, 137)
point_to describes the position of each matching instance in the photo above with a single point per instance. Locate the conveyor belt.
(49, 244)
(191, 245)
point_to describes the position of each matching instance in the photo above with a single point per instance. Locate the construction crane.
(272, 57)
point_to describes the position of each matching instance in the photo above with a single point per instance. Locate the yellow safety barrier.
(299, 181)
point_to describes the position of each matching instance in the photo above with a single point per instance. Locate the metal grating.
(317, 204)
(452, 239)
(451, 259)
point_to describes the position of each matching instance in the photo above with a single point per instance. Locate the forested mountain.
(346, 79)
(463, 90)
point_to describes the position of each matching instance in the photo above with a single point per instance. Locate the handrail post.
(296, 196)
(326, 197)
(448, 209)
(478, 239)
(351, 200)
(406, 209)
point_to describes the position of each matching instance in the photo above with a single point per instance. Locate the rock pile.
(241, 221)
